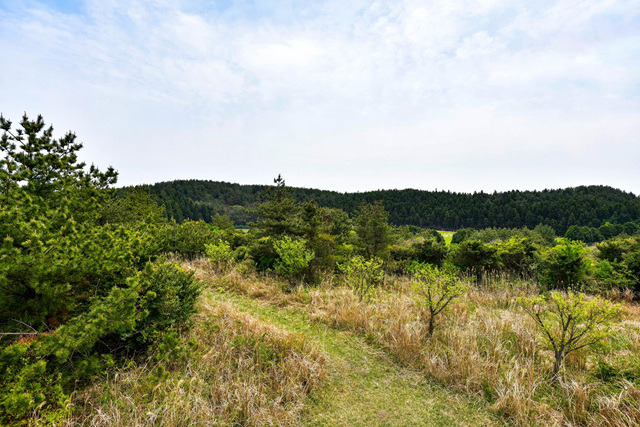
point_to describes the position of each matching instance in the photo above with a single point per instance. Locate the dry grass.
(483, 345)
(230, 369)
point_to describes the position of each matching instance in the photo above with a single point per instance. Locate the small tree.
(563, 266)
(361, 274)
(436, 289)
(294, 257)
(220, 254)
(569, 321)
(372, 228)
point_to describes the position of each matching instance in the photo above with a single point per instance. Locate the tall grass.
(483, 345)
(229, 369)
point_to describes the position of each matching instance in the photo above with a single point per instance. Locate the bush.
(475, 257)
(220, 255)
(293, 259)
(189, 238)
(362, 274)
(562, 266)
(73, 291)
(168, 299)
(516, 255)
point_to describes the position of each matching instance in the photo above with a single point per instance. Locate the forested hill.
(586, 205)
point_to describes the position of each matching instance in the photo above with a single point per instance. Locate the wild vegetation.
(112, 314)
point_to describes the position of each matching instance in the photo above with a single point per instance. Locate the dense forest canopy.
(590, 206)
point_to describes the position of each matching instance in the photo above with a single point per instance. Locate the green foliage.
(220, 255)
(73, 289)
(461, 235)
(293, 259)
(168, 300)
(547, 233)
(134, 207)
(435, 289)
(372, 228)
(559, 209)
(474, 257)
(516, 255)
(543, 236)
(278, 215)
(569, 321)
(362, 274)
(562, 266)
(189, 238)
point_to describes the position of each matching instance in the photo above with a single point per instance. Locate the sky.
(460, 95)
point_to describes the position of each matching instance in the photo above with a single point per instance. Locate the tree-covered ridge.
(590, 206)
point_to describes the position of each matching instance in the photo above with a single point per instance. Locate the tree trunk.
(556, 365)
(430, 325)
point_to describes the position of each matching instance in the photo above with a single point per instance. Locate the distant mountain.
(585, 205)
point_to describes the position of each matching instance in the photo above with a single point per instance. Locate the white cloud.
(329, 83)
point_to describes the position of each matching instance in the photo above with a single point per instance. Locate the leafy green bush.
(189, 238)
(475, 257)
(516, 255)
(362, 274)
(563, 266)
(168, 299)
(73, 290)
(293, 258)
(220, 255)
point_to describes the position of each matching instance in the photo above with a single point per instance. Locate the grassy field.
(486, 354)
(260, 353)
(448, 235)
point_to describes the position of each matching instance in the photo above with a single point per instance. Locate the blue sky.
(465, 95)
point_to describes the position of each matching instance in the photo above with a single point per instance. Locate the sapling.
(569, 321)
(362, 274)
(435, 289)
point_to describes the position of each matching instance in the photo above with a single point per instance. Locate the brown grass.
(483, 344)
(231, 369)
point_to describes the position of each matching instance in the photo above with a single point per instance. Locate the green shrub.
(475, 257)
(516, 255)
(169, 294)
(362, 274)
(293, 258)
(189, 238)
(563, 266)
(74, 291)
(220, 255)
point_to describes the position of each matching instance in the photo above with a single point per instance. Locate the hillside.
(586, 205)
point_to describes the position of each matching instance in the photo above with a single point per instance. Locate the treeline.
(585, 206)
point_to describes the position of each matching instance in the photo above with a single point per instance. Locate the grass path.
(363, 386)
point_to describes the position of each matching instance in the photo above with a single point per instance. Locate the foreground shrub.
(362, 274)
(569, 322)
(75, 293)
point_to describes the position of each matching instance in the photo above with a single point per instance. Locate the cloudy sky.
(350, 95)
